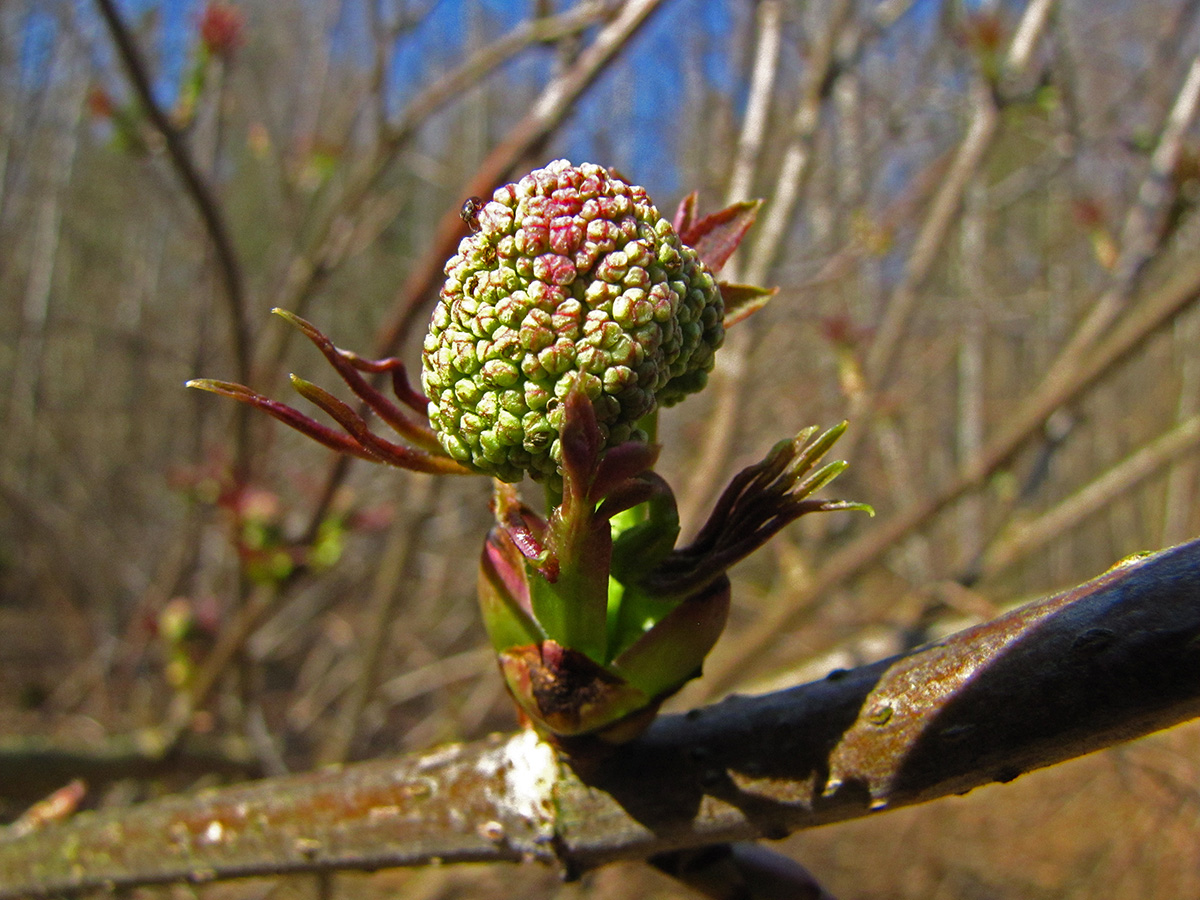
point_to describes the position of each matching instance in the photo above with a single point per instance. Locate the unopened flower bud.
(570, 274)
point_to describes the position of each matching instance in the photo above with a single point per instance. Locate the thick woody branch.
(1108, 661)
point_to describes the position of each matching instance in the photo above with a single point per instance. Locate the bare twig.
(881, 356)
(796, 168)
(258, 605)
(1028, 33)
(970, 418)
(758, 104)
(730, 376)
(884, 350)
(1086, 357)
(29, 368)
(387, 593)
(1026, 537)
(194, 183)
(338, 232)
(1181, 480)
(1157, 311)
(1100, 664)
(1141, 231)
(437, 674)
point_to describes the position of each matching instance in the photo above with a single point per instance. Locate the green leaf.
(504, 594)
(672, 652)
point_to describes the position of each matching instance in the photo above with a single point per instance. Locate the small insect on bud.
(470, 213)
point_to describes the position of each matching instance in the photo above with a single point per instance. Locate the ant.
(470, 213)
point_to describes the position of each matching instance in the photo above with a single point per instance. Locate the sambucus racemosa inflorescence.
(570, 313)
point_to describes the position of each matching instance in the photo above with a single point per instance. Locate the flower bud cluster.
(571, 275)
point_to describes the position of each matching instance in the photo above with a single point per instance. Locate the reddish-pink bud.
(222, 28)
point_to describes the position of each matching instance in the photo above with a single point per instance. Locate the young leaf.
(717, 236)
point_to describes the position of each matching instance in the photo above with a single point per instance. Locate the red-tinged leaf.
(743, 300)
(504, 594)
(288, 415)
(531, 548)
(564, 692)
(715, 237)
(627, 495)
(402, 387)
(348, 364)
(621, 463)
(760, 501)
(581, 441)
(685, 216)
(526, 528)
(383, 451)
(340, 411)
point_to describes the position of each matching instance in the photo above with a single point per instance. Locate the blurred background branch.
(195, 185)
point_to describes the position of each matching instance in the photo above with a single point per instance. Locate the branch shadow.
(1110, 660)
(780, 741)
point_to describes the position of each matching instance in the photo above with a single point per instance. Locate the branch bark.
(1102, 663)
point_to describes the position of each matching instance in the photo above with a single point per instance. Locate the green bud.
(572, 274)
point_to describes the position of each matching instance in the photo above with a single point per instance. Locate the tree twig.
(795, 171)
(1152, 314)
(1141, 233)
(386, 595)
(194, 183)
(1103, 663)
(884, 349)
(1088, 355)
(1025, 537)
